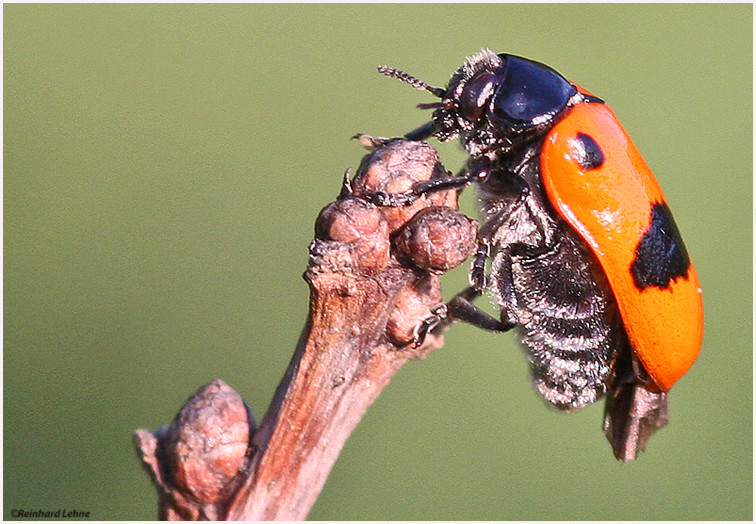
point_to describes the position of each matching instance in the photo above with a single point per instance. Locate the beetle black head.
(494, 102)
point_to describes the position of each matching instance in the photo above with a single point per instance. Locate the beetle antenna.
(411, 80)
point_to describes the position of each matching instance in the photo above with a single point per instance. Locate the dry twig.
(373, 277)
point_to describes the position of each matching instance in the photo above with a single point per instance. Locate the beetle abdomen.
(567, 313)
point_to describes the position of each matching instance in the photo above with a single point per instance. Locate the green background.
(163, 167)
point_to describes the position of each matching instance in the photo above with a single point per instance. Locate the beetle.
(585, 257)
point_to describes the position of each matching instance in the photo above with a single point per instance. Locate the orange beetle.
(585, 257)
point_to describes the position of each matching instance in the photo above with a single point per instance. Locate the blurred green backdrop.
(163, 167)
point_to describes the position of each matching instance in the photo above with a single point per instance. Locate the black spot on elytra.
(589, 154)
(661, 255)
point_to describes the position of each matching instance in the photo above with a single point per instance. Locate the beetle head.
(495, 102)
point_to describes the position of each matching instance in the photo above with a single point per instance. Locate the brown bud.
(362, 227)
(208, 441)
(348, 220)
(437, 239)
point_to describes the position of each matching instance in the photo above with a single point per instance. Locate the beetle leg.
(423, 132)
(478, 267)
(633, 412)
(381, 198)
(502, 285)
(438, 315)
(463, 178)
(488, 231)
(461, 308)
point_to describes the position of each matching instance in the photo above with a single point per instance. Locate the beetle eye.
(476, 94)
